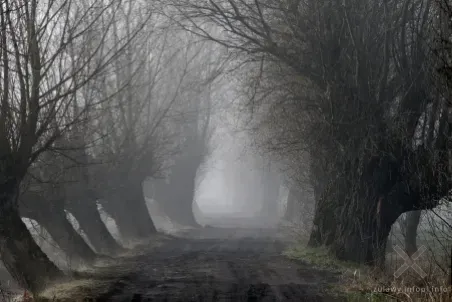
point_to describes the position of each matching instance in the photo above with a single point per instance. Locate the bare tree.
(193, 121)
(136, 128)
(43, 200)
(361, 85)
(37, 87)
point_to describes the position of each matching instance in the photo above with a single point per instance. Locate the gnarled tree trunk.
(51, 216)
(92, 225)
(139, 212)
(129, 210)
(73, 245)
(365, 206)
(22, 257)
(177, 197)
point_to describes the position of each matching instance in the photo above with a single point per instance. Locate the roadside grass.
(364, 283)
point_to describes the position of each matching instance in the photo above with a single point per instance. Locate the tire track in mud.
(230, 268)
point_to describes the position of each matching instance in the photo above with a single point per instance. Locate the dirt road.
(222, 265)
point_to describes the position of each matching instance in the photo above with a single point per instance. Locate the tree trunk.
(140, 213)
(362, 239)
(22, 257)
(364, 210)
(130, 212)
(325, 219)
(269, 208)
(177, 197)
(181, 212)
(352, 230)
(91, 223)
(292, 200)
(50, 215)
(411, 224)
(72, 244)
(324, 224)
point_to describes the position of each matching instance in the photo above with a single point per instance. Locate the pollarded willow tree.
(43, 199)
(138, 127)
(361, 91)
(39, 78)
(193, 128)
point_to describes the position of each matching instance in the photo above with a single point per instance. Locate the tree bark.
(354, 214)
(50, 214)
(363, 238)
(73, 245)
(177, 197)
(364, 208)
(140, 213)
(324, 226)
(91, 223)
(22, 257)
(129, 210)
(177, 202)
(181, 212)
(412, 222)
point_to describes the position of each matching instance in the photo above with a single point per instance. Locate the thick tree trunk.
(324, 225)
(181, 212)
(411, 224)
(73, 245)
(144, 225)
(292, 200)
(130, 212)
(349, 221)
(178, 201)
(269, 208)
(50, 215)
(133, 223)
(22, 257)
(176, 198)
(363, 238)
(269, 185)
(362, 210)
(325, 219)
(91, 223)
(355, 231)
(300, 207)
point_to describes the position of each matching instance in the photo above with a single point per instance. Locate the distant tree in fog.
(194, 128)
(348, 85)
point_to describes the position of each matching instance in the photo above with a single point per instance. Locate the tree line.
(353, 96)
(96, 98)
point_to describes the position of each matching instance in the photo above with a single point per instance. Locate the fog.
(137, 128)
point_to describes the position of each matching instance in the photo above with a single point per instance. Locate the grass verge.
(363, 283)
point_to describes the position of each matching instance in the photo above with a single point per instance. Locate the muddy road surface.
(213, 264)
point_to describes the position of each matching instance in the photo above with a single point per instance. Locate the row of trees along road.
(355, 87)
(96, 97)
(194, 121)
(90, 100)
(46, 59)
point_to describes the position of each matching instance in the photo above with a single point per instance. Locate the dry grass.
(76, 290)
(362, 283)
